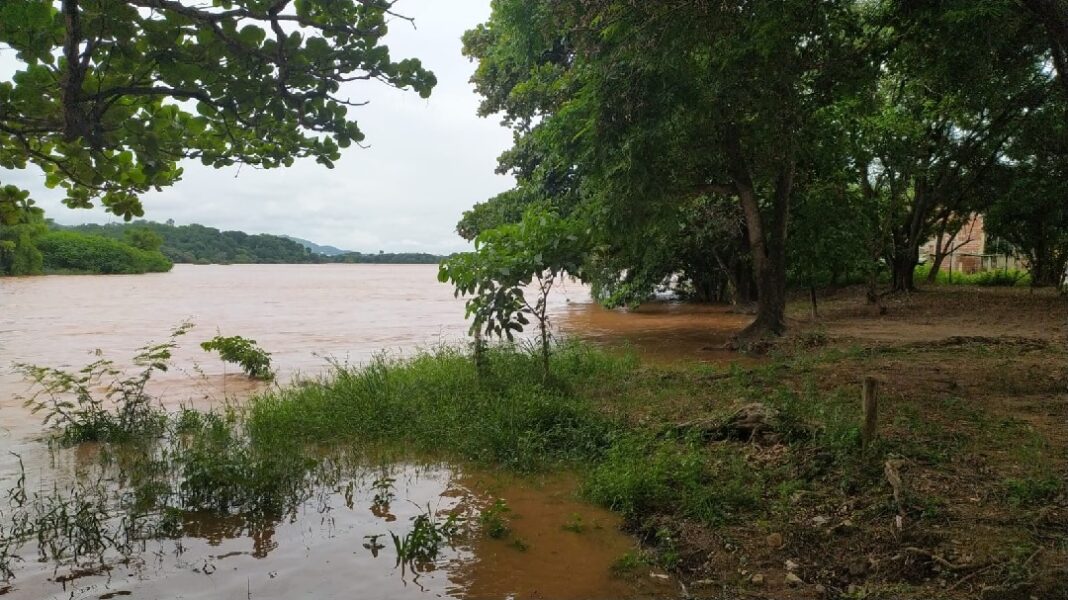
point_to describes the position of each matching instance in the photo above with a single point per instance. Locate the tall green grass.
(438, 402)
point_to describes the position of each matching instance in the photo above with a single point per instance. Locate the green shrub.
(994, 278)
(255, 361)
(74, 252)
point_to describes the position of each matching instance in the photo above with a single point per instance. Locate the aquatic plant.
(421, 545)
(494, 520)
(254, 361)
(100, 403)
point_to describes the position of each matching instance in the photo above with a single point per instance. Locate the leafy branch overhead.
(111, 95)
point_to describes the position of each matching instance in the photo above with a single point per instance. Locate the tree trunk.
(940, 255)
(812, 298)
(903, 272)
(543, 323)
(768, 244)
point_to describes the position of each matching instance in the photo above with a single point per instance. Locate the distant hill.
(198, 244)
(316, 248)
(388, 258)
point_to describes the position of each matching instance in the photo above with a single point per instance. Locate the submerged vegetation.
(254, 361)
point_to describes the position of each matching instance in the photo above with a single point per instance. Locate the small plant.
(519, 544)
(629, 564)
(575, 524)
(420, 546)
(494, 521)
(1032, 490)
(383, 497)
(74, 404)
(255, 361)
(508, 261)
(667, 550)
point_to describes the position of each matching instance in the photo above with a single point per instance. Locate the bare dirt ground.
(965, 493)
(937, 313)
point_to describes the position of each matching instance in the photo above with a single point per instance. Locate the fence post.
(870, 401)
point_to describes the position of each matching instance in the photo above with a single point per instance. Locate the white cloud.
(429, 161)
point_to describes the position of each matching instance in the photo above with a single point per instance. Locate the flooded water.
(307, 315)
(337, 545)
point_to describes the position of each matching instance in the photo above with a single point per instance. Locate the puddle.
(337, 544)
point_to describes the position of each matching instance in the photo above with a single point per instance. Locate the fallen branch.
(956, 568)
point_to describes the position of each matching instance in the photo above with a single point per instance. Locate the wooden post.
(871, 411)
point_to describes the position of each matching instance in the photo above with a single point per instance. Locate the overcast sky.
(429, 160)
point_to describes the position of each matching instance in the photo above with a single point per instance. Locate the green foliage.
(20, 224)
(143, 238)
(1033, 490)
(419, 547)
(494, 520)
(992, 278)
(198, 244)
(100, 403)
(223, 470)
(254, 361)
(508, 258)
(26, 259)
(67, 251)
(108, 98)
(642, 475)
(205, 245)
(387, 258)
(1032, 213)
(438, 403)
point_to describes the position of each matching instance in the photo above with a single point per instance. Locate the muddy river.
(306, 316)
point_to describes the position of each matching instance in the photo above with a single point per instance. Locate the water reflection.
(335, 544)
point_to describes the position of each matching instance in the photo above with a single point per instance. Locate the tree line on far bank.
(31, 245)
(198, 244)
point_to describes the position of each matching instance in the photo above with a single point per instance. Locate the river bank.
(738, 480)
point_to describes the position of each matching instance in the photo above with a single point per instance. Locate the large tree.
(110, 95)
(635, 109)
(959, 80)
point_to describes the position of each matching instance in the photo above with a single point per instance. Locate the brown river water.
(307, 315)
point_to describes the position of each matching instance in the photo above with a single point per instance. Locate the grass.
(437, 403)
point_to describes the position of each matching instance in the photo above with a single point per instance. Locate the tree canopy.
(692, 138)
(111, 95)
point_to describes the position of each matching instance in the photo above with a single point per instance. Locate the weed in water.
(74, 405)
(418, 548)
(575, 524)
(254, 361)
(494, 520)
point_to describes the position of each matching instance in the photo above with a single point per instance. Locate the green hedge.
(992, 278)
(69, 251)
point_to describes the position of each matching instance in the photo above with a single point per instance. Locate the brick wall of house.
(966, 257)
